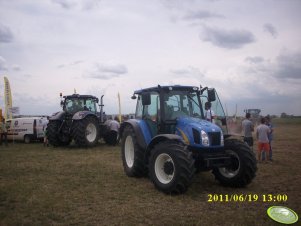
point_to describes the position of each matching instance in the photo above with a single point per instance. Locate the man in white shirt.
(262, 134)
(209, 114)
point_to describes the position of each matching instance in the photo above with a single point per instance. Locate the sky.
(249, 51)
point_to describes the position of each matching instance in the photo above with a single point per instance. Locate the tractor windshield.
(182, 104)
(79, 104)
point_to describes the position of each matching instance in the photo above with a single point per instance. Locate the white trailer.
(26, 129)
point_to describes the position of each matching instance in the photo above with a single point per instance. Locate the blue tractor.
(171, 139)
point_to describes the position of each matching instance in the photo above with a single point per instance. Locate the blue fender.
(134, 123)
(159, 138)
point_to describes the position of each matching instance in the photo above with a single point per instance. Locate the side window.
(90, 105)
(151, 111)
(139, 108)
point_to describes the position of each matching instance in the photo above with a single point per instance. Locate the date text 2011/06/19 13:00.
(247, 198)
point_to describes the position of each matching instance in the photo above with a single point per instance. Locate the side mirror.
(211, 95)
(133, 97)
(62, 103)
(146, 99)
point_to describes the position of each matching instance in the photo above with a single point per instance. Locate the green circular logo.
(282, 214)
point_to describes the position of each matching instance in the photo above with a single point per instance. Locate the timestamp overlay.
(247, 197)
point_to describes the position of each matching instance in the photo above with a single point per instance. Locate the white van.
(26, 129)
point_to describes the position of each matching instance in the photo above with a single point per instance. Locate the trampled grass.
(73, 186)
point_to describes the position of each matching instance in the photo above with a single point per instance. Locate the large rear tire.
(132, 155)
(243, 168)
(171, 167)
(54, 138)
(86, 132)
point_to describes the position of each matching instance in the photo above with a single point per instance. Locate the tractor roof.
(80, 96)
(175, 87)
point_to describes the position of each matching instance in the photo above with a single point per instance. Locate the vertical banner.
(119, 107)
(7, 100)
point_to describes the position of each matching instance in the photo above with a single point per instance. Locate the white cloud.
(270, 29)
(229, 39)
(5, 34)
(105, 72)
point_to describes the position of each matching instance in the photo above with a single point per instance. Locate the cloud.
(5, 34)
(82, 4)
(187, 72)
(90, 4)
(201, 15)
(106, 71)
(74, 63)
(16, 67)
(66, 4)
(254, 60)
(3, 64)
(229, 39)
(269, 28)
(289, 66)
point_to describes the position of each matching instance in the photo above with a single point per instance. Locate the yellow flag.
(7, 100)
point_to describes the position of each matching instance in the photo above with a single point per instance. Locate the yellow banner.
(7, 100)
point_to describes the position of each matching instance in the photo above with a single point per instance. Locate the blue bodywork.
(184, 129)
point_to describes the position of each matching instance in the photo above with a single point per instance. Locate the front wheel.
(132, 155)
(171, 167)
(243, 165)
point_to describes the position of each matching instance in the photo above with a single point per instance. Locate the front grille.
(215, 138)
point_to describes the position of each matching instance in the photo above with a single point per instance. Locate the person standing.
(262, 133)
(270, 136)
(45, 136)
(209, 114)
(247, 129)
(4, 127)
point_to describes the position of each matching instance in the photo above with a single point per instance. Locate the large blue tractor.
(170, 139)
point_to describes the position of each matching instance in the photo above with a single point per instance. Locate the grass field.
(72, 186)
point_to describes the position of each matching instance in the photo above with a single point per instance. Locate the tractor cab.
(181, 110)
(75, 103)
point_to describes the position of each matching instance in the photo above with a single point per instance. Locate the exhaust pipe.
(101, 109)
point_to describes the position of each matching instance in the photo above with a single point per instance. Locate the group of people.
(264, 135)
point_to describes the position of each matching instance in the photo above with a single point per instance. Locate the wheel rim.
(230, 172)
(164, 168)
(91, 132)
(129, 151)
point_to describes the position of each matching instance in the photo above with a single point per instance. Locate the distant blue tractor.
(170, 140)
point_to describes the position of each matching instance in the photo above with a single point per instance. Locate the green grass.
(74, 186)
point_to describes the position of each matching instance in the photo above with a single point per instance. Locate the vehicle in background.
(26, 129)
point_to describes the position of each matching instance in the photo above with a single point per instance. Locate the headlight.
(205, 138)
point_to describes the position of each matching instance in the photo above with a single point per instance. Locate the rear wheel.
(86, 132)
(171, 167)
(132, 155)
(243, 168)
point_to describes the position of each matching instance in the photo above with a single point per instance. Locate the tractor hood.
(199, 132)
